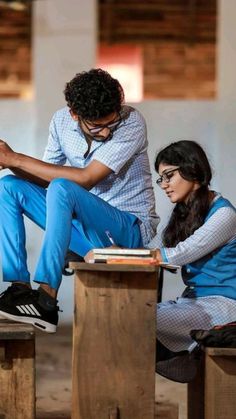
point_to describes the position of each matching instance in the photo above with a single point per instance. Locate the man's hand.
(89, 257)
(7, 155)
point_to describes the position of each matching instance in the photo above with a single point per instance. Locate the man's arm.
(29, 177)
(43, 173)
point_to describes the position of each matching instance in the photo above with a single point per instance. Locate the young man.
(105, 192)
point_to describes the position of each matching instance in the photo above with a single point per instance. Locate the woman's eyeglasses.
(166, 177)
(96, 129)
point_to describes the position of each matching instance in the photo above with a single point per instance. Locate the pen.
(109, 236)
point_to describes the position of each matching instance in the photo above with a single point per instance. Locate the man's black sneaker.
(20, 304)
(9, 294)
(71, 257)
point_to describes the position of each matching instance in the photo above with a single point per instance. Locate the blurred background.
(176, 60)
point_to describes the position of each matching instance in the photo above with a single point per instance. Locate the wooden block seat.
(17, 370)
(212, 395)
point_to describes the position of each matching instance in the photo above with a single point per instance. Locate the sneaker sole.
(39, 324)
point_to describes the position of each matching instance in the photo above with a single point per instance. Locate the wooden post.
(212, 395)
(114, 342)
(17, 371)
(195, 394)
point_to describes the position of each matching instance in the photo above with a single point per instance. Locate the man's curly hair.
(94, 94)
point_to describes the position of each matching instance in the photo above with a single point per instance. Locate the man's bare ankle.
(26, 284)
(51, 291)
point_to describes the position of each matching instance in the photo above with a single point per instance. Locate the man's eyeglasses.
(166, 177)
(96, 129)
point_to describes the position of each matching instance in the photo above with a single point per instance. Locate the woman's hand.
(89, 257)
(156, 254)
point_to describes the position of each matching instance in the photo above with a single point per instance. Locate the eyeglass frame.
(164, 177)
(111, 125)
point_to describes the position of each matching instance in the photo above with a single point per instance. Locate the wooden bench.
(17, 370)
(212, 395)
(114, 341)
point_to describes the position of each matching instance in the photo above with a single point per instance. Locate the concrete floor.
(53, 380)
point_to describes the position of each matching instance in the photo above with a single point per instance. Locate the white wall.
(226, 121)
(17, 121)
(64, 44)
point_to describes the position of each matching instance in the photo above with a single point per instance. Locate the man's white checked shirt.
(129, 187)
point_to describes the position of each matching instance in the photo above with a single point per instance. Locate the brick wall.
(177, 38)
(176, 70)
(15, 51)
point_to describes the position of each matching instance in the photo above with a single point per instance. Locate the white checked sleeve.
(53, 152)
(156, 242)
(218, 230)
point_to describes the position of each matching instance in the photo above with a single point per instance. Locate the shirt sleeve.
(156, 242)
(53, 152)
(218, 230)
(129, 139)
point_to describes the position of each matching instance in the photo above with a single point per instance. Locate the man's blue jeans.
(72, 218)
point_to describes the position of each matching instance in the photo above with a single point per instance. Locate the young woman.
(201, 238)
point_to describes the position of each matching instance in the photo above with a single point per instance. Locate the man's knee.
(61, 185)
(7, 183)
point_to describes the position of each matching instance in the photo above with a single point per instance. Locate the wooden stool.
(220, 383)
(17, 372)
(212, 395)
(114, 341)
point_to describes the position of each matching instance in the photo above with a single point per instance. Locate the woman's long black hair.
(193, 165)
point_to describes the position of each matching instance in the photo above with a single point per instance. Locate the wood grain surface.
(114, 344)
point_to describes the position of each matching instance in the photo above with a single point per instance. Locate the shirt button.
(188, 271)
